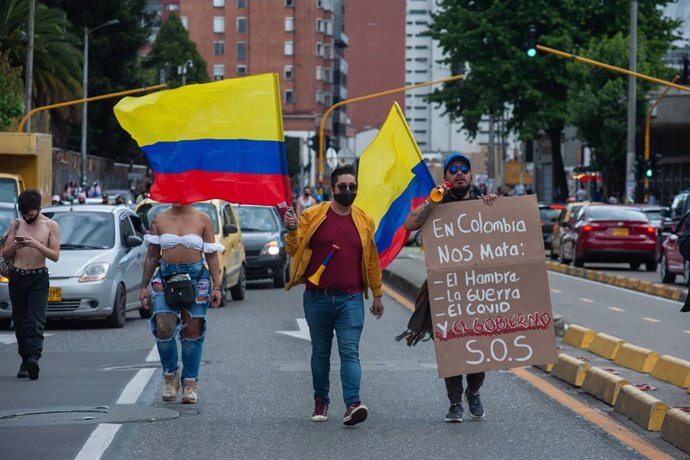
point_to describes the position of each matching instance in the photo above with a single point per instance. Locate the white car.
(101, 262)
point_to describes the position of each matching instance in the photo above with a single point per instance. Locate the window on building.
(319, 25)
(241, 3)
(319, 49)
(289, 3)
(173, 7)
(289, 96)
(421, 47)
(218, 48)
(218, 71)
(241, 24)
(328, 27)
(328, 75)
(319, 73)
(422, 23)
(417, 12)
(219, 24)
(241, 51)
(287, 72)
(241, 70)
(327, 98)
(218, 3)
(327, 50)
(289, 48)
(184, 20)
(319, 3)
(289, 24)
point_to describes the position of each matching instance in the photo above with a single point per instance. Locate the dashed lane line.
(651, 320)
(556, 291)
(586, 300)
(618, 309)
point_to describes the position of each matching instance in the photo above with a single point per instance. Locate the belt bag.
(180, 291)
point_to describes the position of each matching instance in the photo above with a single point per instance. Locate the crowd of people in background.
(73, 193)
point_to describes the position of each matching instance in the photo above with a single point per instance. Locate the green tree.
(171, 50)
(489, 37)
(114, 65)
(11, 101)
(57, 56)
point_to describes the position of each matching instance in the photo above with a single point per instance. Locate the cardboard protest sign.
(488, 290)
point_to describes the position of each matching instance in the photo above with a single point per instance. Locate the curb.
(657, 289)
(643, 409)
(603, 385)
(606, 346)
(402, 285)
(578, 336)
(636, 358)
(672, 370)
(570, 370)
(675, 429)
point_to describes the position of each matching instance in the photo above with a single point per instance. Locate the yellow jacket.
(297, 245)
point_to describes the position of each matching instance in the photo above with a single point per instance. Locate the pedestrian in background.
(457, 171)
(30, 240)
(335, 301)
(179, 238)
(305, 200)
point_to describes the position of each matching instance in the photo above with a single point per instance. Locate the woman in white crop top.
(180, 238)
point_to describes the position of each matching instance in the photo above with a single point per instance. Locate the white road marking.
(98, 442)
(586, 300)
(153, 356)
(687, 332)
(9, 338)
(303, 332)
(651, 320)
(616, 309)
(135, 386)
(556, 291)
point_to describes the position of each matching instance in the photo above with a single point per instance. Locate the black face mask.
(345, 198)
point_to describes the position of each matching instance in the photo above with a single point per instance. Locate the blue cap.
(456, 157)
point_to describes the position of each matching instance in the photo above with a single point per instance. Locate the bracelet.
(216, 289)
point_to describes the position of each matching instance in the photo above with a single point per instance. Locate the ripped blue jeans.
(167, 346)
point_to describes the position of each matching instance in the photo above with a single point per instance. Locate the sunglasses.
(343, 187)
(463, 168)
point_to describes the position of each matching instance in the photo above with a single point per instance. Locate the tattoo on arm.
(150, 264)
(421, 213)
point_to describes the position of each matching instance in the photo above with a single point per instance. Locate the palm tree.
(57, 53)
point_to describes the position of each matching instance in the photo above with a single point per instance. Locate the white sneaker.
(189, 391)
(172, 384)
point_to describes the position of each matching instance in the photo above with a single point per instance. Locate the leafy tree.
(11, 101)
(57, 55)
(489, 36)
(171, 50)
(113, 66)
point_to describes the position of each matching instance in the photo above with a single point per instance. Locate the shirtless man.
(37, 238)
(179, 238)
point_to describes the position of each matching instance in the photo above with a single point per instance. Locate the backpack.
(684, 236)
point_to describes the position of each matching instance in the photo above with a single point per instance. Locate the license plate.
(54, 294)
(620, 232)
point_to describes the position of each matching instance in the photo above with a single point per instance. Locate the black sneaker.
(23, 373)
(355, 413)
(32, 368)
(475, 405)
(454, 414)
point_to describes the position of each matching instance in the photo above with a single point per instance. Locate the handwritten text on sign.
(488, 288)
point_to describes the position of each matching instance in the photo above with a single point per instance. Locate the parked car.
(8, 214)
(263, 234)
(672, 262)
(415, 238)
(227, 232)
(606, 233)
(548, 213)
(99, 271)
(562, 224)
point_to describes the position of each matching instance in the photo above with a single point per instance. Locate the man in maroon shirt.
(335, 300)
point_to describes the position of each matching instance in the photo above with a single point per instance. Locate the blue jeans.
(343, 313)
(191, 348)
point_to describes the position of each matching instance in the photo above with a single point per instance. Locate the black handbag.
(179, 290)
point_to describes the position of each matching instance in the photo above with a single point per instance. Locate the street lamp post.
(182, 70)
(85, 88)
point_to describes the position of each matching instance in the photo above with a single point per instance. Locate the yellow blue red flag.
(393, 179)
(214, 140)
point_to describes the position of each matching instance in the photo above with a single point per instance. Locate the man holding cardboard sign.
(487, 298)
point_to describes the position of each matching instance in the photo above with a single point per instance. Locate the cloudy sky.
(681, 9)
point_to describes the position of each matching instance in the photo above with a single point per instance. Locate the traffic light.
(532, 41)
(658, 167)
(649, 170)
(685, 73)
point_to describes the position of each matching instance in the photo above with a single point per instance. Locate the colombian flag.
(214, 140)
(393, 179)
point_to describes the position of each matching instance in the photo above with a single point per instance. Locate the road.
(255, 398)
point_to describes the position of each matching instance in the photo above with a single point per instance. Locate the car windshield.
(604, 213)
(654, 215)
(8, 190)
(256, 219)
(7, 215)
(85, 230)
(549, 214)
(158, 208)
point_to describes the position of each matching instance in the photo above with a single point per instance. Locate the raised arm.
(416, 217)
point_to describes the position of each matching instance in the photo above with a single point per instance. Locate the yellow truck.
(26, 162)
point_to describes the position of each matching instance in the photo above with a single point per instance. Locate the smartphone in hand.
(19, 239)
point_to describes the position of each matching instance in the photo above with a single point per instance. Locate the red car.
(672, 263)
(606, 233)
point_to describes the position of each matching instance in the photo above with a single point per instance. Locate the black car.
(263, 235)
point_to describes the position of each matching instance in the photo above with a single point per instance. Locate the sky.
(681, 9)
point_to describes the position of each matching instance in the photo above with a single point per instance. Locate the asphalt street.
(255, 398)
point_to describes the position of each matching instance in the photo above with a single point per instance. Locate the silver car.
(101, 261)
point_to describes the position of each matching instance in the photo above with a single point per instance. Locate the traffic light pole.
(366, 97)
(648, 127)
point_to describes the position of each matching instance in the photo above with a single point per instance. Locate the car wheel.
(418, 238)
(279, 279)
(634, 266)
(239, 290)
(5, 324)
(666, 277)
(223, 290)
(650, 266)
(119, 315)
